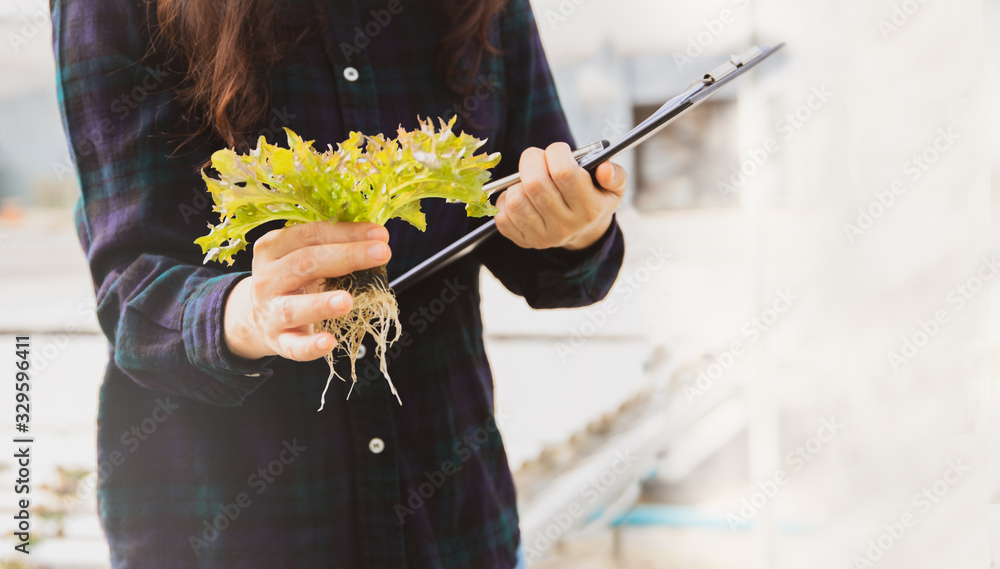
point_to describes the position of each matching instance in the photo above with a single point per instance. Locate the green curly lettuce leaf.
(367, 178)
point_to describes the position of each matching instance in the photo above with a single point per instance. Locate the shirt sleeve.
(142, 204)
(549, 278)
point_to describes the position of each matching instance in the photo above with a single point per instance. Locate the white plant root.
(374, 312)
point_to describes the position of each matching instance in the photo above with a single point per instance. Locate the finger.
(302, 347)
(297, 310)
(540, 189)
(571, 181)
(507, 227)
(276, 244)
(523, 215)
(303, 266)
(612, 177)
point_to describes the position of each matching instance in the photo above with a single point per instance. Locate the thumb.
(611, 177)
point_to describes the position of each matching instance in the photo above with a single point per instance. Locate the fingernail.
(376, 233)
(379, 252)
(323, 343)
(338, 302)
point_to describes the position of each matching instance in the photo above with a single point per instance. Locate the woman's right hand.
(272, 311)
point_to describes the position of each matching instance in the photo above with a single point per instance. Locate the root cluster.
(374, 312)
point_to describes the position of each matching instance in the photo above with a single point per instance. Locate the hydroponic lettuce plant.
(365, 179)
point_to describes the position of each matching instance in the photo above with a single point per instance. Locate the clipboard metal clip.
(730, 67)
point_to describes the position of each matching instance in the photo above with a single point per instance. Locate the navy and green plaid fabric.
(209, 460)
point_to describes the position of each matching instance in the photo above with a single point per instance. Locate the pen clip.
(504, 183)
(730, 67)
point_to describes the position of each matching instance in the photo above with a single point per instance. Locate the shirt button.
(362, 350)
(376, 445)
(351, 74)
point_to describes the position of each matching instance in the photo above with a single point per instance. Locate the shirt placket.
(350, 64)
(376, 451)
(373, 440)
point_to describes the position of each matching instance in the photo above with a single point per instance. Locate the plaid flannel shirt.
(210, 460)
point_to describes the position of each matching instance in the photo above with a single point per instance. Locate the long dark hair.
(227, 46)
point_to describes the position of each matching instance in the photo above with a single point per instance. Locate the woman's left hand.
(556, 204)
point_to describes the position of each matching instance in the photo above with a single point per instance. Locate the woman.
(210, 448)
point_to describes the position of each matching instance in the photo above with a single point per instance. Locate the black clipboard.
(695, 94)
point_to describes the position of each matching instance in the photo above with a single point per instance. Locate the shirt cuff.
(579, 260)
(205, 342)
